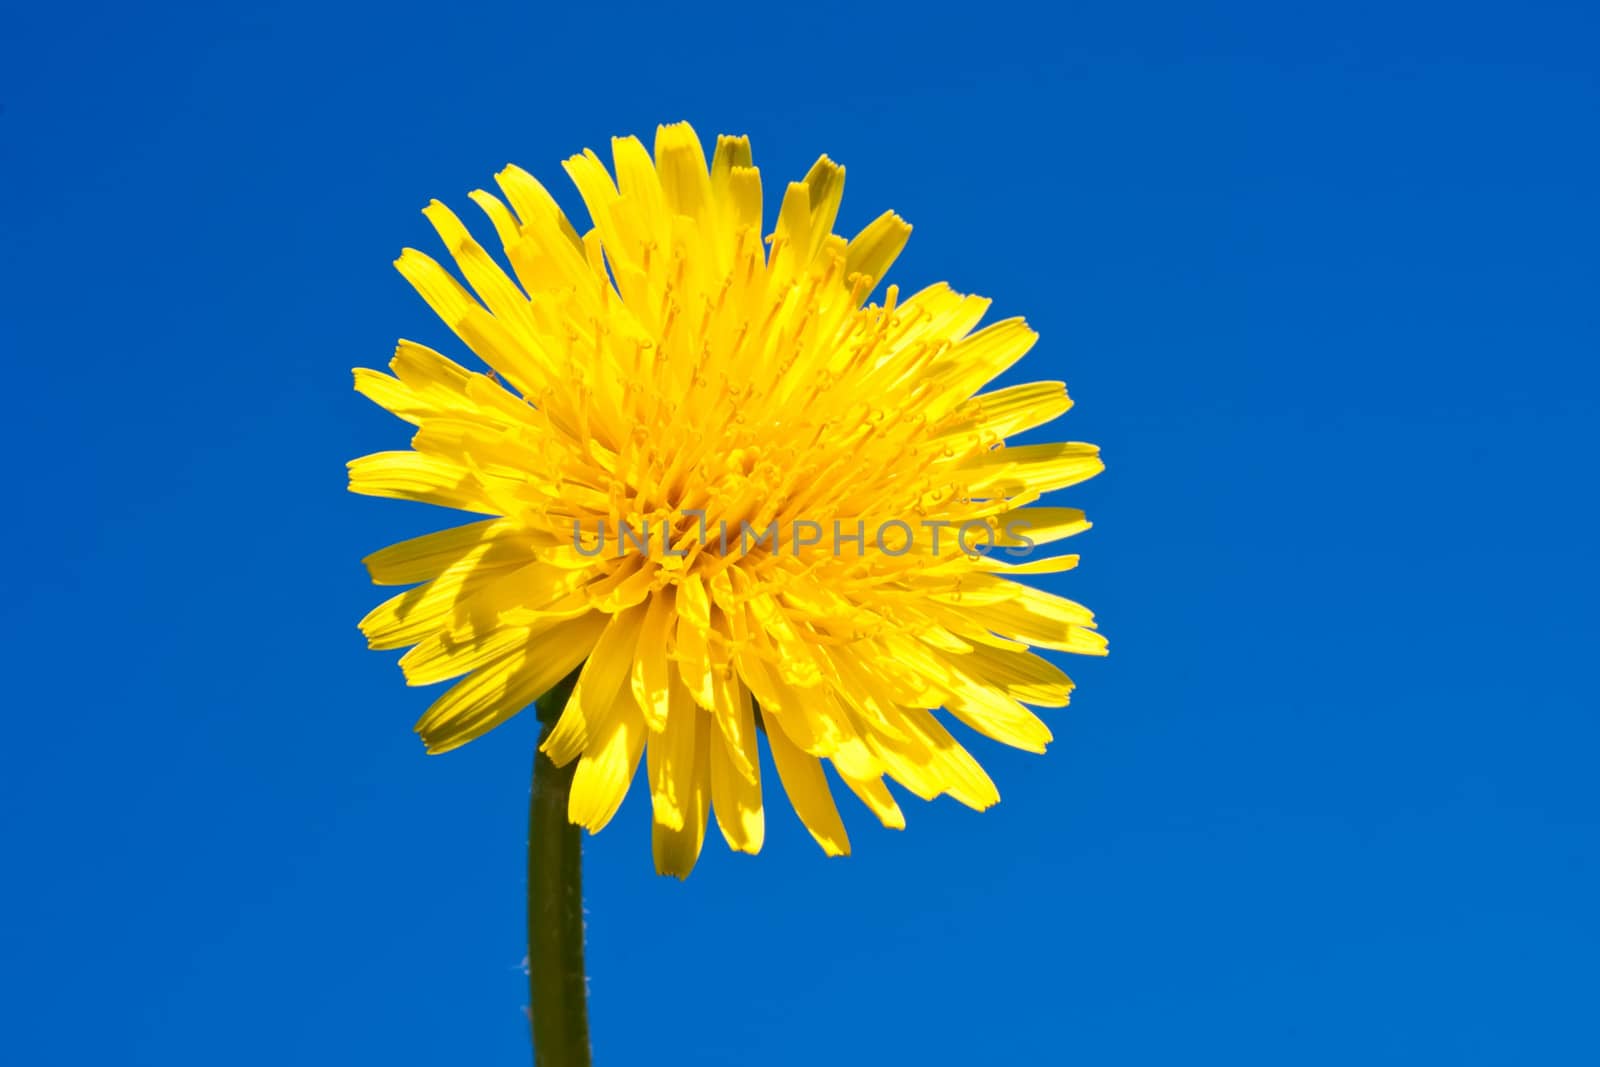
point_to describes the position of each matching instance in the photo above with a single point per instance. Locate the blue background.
(1323, 283)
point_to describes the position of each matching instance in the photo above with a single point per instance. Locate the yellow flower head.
(744, 499)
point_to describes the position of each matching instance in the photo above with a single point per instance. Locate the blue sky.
(1324, 287)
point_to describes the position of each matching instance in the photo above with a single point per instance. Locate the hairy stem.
(556, 983)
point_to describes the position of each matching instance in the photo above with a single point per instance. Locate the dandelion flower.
(791, 455)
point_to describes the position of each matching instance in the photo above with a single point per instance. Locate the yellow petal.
(998, 716)
(652, 668)
(735, 716)
(825, 188)
(499, 293)
(423, 558)
(876, 247)
(736, 789)
(671, 757)
(965, 780)
(410, 476)
(693, 656)
(441, 657)
(686, 766)
(491, 695)
(807, 787)
(534, 205)
(875, 795)
(1013, 410)
(731, 185)
(1045, 565)
(599, 694)
(413, 615)
(486, 335)
(1020, 675)
(681, 163)
(606, 769)
(1041, 468)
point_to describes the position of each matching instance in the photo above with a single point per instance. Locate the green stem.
(556, 983)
